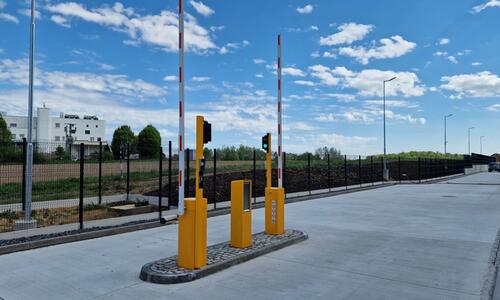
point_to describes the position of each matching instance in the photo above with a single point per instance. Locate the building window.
(57, 138)
(13, 125)
(87, 125)
(13, 136)
(97, 126)
(92, 139)
(87, 131)
(58, 125)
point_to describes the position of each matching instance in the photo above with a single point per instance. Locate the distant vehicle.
(493, 166)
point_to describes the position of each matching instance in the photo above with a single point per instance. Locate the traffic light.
(207, 132)
(265, 143)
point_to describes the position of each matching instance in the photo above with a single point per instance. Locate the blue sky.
(118, 60)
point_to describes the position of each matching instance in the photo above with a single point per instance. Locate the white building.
(49, 132)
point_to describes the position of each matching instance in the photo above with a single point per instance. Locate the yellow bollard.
(241, 213)
(275, 211)
(192, 241)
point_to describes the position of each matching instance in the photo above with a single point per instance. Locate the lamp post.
(386, 171)
(445, 133)
(481, 144)
(470, 128)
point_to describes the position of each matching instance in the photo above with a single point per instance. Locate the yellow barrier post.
(241, 213)
(274, 197)
(192, 241)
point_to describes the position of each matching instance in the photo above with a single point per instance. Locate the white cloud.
(345, 98)
(443, 41)
(305, 10)
(2, 4)
(369, 82)
(392, 103)
(452, 59)
(293, 72)
(106, 67)
(494, 108)
(315, 54)
(27, 13)
(159, 30)
(259, 75)
(258, 61)
(201, 8)
(325, 118)
(313, 28)
(488, 4)
(217, 28)
(348, 33)
(440, 53)
(328, 54)
(59, 20)
(16, 72)
(9, 18)
(200, 79)
(369, 114)
(392, 47)
(476, 64)
(479, 85)
(304, 82)
(170, 78)
(233, 46)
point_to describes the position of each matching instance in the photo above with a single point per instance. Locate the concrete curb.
(489, 290)
(149, 275)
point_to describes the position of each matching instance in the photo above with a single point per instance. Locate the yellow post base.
(192, 245)
(275, 211)
(241, 216)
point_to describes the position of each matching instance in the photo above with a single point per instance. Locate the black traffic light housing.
(207, 132)
(265, 143)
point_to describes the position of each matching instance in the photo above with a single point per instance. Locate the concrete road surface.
(429, 241)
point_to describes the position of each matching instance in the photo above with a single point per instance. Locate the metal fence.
(79, 185)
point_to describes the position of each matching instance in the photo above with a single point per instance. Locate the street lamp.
(470, 128)
(386, 171)
(481, 144)
(445, 138)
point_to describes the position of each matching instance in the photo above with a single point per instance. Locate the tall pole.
(386, 171)
(280, 148)
(181, 108)
(29, 154)
(470, 128)
(445, 133)
(481, 144)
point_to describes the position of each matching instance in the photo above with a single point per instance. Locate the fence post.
(371, 170)
(329, 173)
(345, 171)
(100, 172)
(214, 179)
(160, 182)
(283, 172)
(382, 164)
(309, 172)
(399, 168)
(359, 172)
(254, 183)
(80, 204)
(128, 171)
(186, 191)
(169, 174)
(25, 149)
(419, 174)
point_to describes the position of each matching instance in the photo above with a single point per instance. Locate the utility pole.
(470, 128)
(481, 144)
(445, 133)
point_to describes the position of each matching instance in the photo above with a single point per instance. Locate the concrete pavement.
(400, 242)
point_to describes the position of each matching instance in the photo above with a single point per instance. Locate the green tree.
(122, 136)
(149, 142)
(5, 134)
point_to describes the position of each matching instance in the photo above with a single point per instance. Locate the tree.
(122, 136)
(149, 142)
(5, 134)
